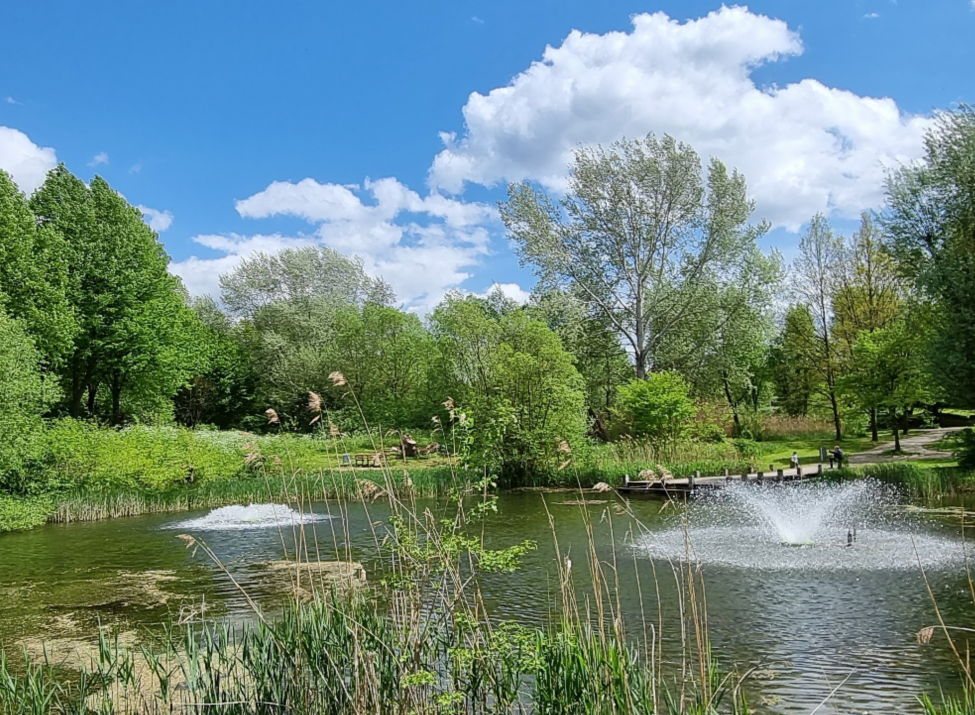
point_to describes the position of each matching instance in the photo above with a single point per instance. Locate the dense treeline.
(655, 315)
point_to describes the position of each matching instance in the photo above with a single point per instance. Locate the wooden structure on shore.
(686, 485)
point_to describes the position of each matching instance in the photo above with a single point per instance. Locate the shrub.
(658, 408)
(965, 450)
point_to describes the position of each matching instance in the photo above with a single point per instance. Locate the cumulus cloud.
(11, 100)
(99, 158)
(26, 162)
(422, 245)
(804, 147)
(158, 220)
(510, 290)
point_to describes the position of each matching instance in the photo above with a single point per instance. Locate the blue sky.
(256, 126)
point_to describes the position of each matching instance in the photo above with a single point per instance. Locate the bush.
(658, 408)
(82, 454)
(965, 451)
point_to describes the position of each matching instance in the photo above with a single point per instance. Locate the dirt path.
(913, 446)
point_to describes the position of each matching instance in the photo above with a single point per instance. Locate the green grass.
(925, 480)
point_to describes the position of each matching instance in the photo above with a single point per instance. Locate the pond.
(809, 620)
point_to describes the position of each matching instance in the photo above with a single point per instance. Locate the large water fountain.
(854, 525)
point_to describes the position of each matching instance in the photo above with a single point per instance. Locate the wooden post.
(819, 468)
(727, 472)
(692, 479)
(760, 478)
(778, 475)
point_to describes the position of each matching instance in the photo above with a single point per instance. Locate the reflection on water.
(846, 611)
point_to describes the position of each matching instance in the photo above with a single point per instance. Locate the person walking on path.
(837, 456)
(795, 462)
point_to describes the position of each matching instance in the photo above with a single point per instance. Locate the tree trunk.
(874, 437)
(897, 436)
(836, 413)
(77, 392)
(116, 389)
(641, 366)
(92, 393)
(731, 403)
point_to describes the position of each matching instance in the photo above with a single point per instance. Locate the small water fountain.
(255, 516)
(747, 526)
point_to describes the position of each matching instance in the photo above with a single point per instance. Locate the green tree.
(658, 407)
(723, 354)
(221, 391)
(385, 354)
(641, 235)
(131, 313)
(815, 279)
(515, 382)
(24, 396)
(892, 372)
(867, 296)
(930, 222)
(794, 376)
(33, 275)
(594, 344)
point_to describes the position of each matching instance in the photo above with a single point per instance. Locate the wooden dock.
(686, 485)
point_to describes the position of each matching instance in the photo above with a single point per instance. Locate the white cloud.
(135, 168)
(510, 290)
(99, 158)
(11, 100)
(875, 15)
(479, 21)
(423, 246)
(26, 162)
(804, 147)
(158, 220)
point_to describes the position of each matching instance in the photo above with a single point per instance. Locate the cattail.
(564, 447)
(187, 539)
(337, 378)
(924, 635)
(272, 417)
(333, 430)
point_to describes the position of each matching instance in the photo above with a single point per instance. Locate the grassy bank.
(82, 472)
(927, 481)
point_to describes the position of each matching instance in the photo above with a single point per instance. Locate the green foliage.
(659, 408)
(134, 343)
(965, 451)
(34, 275)
(891, 372)
(930, 219)
(222, 392)
(24, 396)
(514, 380)
(24, 512)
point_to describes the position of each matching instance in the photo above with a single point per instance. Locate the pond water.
(808, 619)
